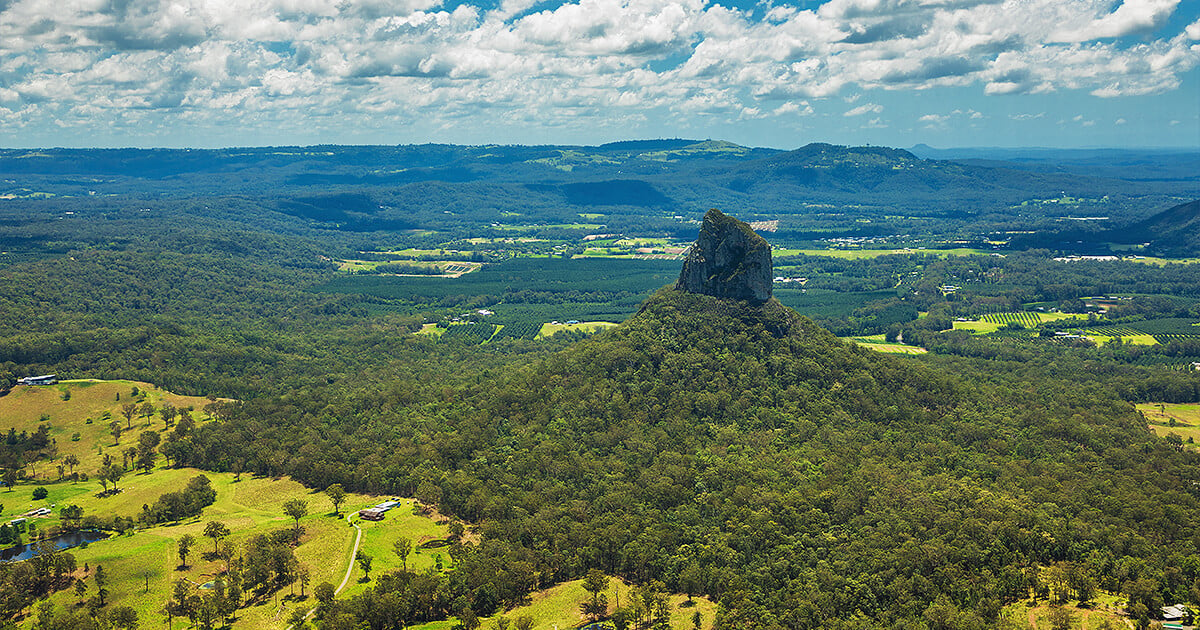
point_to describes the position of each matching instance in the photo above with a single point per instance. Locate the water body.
(62, 541)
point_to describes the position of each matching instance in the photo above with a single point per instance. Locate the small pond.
(62, 541)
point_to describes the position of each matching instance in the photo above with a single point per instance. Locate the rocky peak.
(728, 260)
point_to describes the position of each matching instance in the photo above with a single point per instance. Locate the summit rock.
(728, 260)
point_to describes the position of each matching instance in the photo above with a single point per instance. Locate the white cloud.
(1131, 16)
(865, 108)
(580, 62)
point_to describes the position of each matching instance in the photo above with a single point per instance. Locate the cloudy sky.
(205, 73)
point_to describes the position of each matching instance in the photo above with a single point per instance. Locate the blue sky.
(948, 73)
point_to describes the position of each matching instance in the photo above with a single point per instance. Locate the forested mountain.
(744, 452)
(1174, 231)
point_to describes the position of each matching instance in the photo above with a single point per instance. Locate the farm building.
(371, 514)
(1173, 613)
(45, 379)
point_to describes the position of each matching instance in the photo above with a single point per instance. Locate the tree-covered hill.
(746, 453)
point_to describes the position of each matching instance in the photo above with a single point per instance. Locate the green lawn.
(378, 538)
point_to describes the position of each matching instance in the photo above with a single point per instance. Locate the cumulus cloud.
(573, 62)
(1131, 16)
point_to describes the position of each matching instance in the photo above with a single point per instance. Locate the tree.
(167, 413)
(597, 607)
(690, 580)
(115, 429)
(337, 495)
(112, 473)
(524, 622)
(40, 493)
(1061, 618)
(10, 478)
(324, 592)
(403, 547)
(216, 530)
(123, 617)
(101, 580)
(127, 410)
(184, 545)
(71, 461)
(71, 515)
(364, 562)
(297, 509)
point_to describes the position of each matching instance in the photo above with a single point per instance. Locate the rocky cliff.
(728, 260)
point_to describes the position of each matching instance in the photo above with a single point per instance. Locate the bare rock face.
(728, 260)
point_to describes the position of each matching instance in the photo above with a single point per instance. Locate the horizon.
(917, 146)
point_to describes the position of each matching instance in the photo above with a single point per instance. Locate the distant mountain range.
(819, 190)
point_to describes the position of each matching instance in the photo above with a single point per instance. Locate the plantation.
(522, 330)
(1024, 319)
(470, 332)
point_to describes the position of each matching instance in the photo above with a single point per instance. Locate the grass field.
(1186, 416)
(90, 400)
(557, 608)
(1031, 616)
(142, 565)
(878, 344)
(1138, 340)
(856, 254)
(379, 536)
(590, 327)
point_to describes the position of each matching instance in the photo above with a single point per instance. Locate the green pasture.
(878, 344)
(558, 608)
(1138, 340)
(1159, 262)
(1185, 415)
(93, 400)
(378, 538)
(857, 254)
(588, 327)
(142, 565)
(1029, 615)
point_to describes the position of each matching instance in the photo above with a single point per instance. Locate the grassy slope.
(557, 608)
(1187, 419)
(22, 408)
(142, 566)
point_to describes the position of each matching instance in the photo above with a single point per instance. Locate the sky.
(947, 73)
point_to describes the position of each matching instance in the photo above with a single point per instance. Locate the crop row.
(1028, 320)
(1115, 331)
(1164, 339)
(520, 330)
(472, 332)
